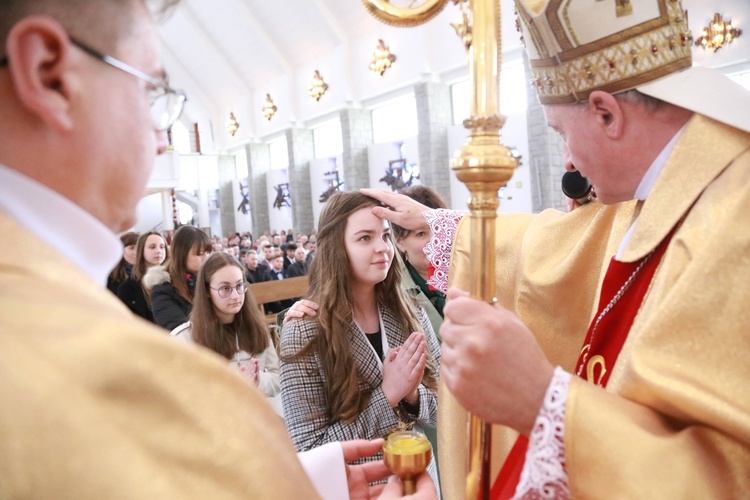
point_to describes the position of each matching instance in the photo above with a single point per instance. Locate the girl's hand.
(251, 371)
(403, 369)
(300, 309)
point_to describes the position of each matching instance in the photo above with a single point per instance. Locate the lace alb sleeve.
(543, 474)
(443, 224)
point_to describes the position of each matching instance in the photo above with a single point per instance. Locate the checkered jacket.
(302, 386)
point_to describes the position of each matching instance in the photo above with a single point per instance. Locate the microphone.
(577, 187)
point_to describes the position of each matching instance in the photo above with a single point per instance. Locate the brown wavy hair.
(185, 239)
(330, 287)
(248, 329)
(119, 273)
(141, 266)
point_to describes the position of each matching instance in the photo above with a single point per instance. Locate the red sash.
(608, 330)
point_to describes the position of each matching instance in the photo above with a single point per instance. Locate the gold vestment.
(674, 420)
(97, 403)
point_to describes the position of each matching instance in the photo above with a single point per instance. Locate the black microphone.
(577, 187)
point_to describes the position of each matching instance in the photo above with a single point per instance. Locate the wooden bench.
(273, 291)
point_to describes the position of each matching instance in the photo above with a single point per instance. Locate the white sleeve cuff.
(543, 474)
(326, 469)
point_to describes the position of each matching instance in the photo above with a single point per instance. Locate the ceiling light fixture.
(232, 125)
(318, 87)
(269, 108)
(381, 58)
(717, 33)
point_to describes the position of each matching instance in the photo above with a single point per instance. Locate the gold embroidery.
(624, 8)
(591, 370)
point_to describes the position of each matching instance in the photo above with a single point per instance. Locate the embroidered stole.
(624, 287)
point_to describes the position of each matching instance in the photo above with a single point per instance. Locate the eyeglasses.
(166, 103)
(226, 290)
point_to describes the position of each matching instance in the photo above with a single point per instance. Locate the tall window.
(181, 138)
(279, 153)
(512, 93)
(240, 164)
(327, 139)
(395, 120)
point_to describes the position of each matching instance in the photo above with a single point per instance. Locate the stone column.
(356, 134)
(546, 165)
(301, 151)
(227, 172)
(258, 165)
(434, 117)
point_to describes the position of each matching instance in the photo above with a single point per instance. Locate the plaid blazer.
(302, 386)
(304, 400)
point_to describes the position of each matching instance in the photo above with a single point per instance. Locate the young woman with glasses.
(172, 286)
(150, 251)
(367, 363)
(228, 321)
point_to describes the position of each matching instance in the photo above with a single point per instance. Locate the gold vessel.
(407, 454)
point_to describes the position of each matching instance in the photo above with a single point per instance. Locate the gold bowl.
(407, 454)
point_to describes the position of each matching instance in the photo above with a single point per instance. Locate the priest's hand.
(360, 476)
(401, 210)
(492, 363)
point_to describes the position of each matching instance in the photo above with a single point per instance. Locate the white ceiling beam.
(192, 82)
(335, 26)
(208, 39)
(258, 29)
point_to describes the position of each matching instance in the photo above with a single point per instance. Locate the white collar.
(63, 225)
(647, 184)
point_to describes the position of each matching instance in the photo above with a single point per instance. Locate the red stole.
(604, 340)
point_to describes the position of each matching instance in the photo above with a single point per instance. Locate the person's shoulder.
(156, 276)
(298, 332)
(183, 332)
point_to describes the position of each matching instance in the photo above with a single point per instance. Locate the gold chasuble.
(97, 403)
(674, 420)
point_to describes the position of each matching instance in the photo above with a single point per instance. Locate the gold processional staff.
(484, 164)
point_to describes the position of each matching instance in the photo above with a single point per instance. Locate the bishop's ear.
(608, 112)
(39, 54)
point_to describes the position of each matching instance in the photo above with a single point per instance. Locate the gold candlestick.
(407, 454)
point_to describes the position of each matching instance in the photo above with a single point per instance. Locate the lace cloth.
(543, 474)
(443, 224)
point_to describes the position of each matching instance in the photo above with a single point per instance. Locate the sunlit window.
(512, 93)
(279, 153)
(395, 121)
(240, 164)
(327, 139)
(181, 138)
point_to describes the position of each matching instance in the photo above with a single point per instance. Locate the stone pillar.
(301, 151)
(258, 165)
(227, 172)
(546, 165)
(434, 117)
(356, 134)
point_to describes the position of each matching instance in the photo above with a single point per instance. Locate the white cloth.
(326, 469)
(63, 225)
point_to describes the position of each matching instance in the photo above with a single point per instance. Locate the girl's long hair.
(248, 329)
(185, 239)
(330, 286)
(119, 273)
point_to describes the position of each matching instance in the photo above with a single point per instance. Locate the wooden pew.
(273, 291)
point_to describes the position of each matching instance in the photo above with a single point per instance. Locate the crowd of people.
(612, 365)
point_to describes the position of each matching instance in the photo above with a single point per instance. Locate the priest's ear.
(608, 112)
(39, 56)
